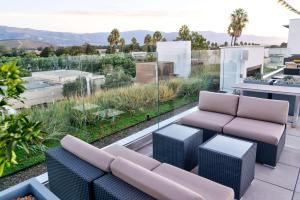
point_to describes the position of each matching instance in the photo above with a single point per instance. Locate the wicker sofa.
(262, 121)
(78, 170)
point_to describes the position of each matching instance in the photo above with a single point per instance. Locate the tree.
(47, 52)
(134, 46)
(230, 33)
(164, 39)
(60, 51)
(157, 36)
(122, 45)
(198, 41)
(17, 130)
(89, 49)
(241, 43)
(148, 42)
(238, 21)
(283, 45)
(184, 33)
(288, 6)
(113, 40)
(226, 44)
(208, 43)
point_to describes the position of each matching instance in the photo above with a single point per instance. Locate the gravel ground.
(21, 176)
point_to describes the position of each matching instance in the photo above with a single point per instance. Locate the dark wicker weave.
(179, 153)
(70, 178)
(267, 153)
(109, 187)
(228, 170)
(208, 134)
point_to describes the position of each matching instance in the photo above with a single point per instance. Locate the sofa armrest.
(69, 176)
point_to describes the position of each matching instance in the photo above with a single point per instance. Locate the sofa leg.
(270, 166)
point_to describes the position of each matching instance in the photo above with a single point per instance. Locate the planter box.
(259, 82)
(31, 186)
(286, 84)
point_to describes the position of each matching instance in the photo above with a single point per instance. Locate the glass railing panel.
(182, 74)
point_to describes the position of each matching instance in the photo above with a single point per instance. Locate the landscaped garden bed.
(137, 103)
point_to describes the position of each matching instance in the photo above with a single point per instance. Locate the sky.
(266, 17)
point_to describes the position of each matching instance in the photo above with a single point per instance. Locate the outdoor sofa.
(78, 170)
(262, 121)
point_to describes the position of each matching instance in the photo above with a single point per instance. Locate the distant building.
(47, 86)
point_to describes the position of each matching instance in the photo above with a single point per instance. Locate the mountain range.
(100, 38)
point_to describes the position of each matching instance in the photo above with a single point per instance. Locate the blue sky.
(84, 16)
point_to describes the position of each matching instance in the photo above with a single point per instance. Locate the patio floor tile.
(290, 156)
(292, 142)
(298, 186)
(293, 131)
(296, 196)
(260, 190)
(283, 175)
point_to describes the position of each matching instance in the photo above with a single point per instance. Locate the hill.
(23, 44)
(68, 39)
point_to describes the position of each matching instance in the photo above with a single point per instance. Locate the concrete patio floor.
(281, 183)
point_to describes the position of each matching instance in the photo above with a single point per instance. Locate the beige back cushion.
(150, 183)
(275, 111)
(218, 102)
(87, 152)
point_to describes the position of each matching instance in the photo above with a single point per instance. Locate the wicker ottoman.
(177, 145)
(228, 161)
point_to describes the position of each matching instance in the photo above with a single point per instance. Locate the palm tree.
(113, 39)
(122, 44)
(239, 19)
(148, 42)
(134, 46)
(184, 33)
(157, 36)
(288, 6)
(116, 35)
(230, 33)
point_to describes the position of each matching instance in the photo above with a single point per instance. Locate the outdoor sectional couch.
(78, 170)
(262, 121)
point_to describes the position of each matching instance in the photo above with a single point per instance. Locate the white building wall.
(234, 64)
(294, 37)
(178, 52)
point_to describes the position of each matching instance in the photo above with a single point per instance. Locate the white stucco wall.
(178, 52)
(235, 61)
(294, 37)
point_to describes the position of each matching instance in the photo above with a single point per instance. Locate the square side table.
(228, 161)
(177, 145)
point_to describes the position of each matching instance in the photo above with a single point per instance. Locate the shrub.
(77, 88)
(17, 131)
(117, 79)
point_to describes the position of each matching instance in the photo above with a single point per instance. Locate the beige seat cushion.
(218, 102)
(263, 109)
(207, 120)
(209, 190)
(267, 132)
(151, 183)
(87, 152)
(128, 154)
